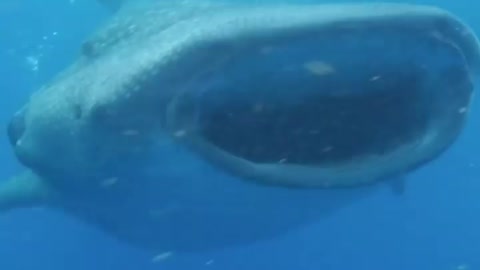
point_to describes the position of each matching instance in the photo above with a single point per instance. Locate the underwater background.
(435, 225)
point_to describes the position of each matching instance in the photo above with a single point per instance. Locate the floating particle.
(162, 257)
(462, 267)
(33, 62)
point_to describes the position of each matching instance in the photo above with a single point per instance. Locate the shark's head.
(307, 96)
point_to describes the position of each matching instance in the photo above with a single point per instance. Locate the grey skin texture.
(188, 125)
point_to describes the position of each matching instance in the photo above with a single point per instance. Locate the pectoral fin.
(23, 190)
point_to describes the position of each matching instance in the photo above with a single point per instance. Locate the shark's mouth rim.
(364, 170)
(433, 140)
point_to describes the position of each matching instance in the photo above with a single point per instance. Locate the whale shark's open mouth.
(339, 106)
(315, 128)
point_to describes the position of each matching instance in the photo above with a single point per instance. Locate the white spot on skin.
(436, 34)
(462, 110)
(258, 108)
(209, 262)
(283, 160)
(327, 149)
(162, 257)
(180, 133)
(132, 28)
(109, 182)
(319, 68)
(375, 78)
(165, 211)
(266, 50)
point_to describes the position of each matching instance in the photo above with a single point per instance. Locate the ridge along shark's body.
(186, 125)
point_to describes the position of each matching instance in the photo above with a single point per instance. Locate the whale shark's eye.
(107, 38)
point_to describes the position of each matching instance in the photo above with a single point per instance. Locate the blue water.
(435, 225)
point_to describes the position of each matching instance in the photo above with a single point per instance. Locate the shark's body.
(184, 125)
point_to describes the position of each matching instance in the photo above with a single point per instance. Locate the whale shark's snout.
(321, 96)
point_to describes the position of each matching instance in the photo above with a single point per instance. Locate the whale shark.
(189, 125)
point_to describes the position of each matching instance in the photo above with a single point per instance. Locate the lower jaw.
(363, 170)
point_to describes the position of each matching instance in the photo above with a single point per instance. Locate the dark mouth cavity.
(319, 129)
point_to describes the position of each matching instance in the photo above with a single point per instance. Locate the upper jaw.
(244, 78)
